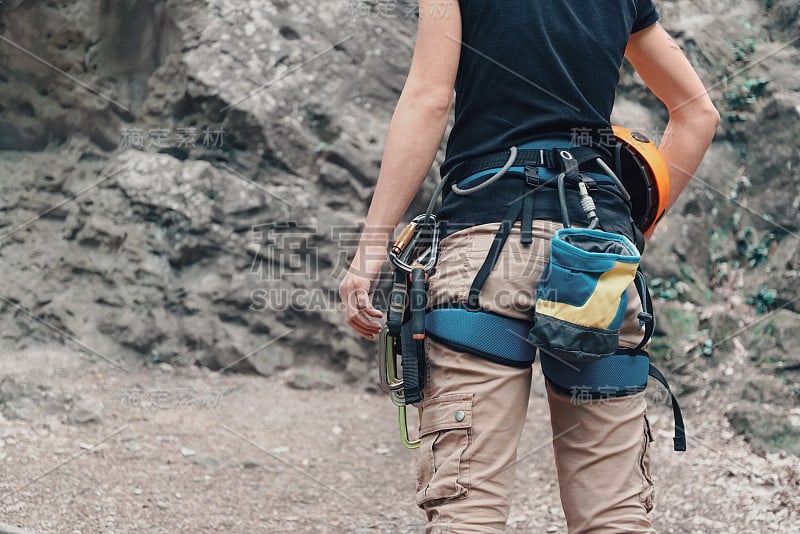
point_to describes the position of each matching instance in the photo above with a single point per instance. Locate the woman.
(523, 72)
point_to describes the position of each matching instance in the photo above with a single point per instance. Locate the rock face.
(186, 188)
(193, 180)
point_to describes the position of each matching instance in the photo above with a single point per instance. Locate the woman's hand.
(356, 291)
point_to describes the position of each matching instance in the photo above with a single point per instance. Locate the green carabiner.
(402, 416)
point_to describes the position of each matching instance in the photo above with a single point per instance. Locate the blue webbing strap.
(617, 375)
(494, 337)
(504, 340)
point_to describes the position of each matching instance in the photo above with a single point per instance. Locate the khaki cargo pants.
(474, 411)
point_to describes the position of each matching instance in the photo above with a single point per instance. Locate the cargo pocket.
(648, 492)
(444, 453)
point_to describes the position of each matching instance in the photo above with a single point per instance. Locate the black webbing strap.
(679, 440)
(526, 230)
(494, 253)
(397, 303)
(533, 180)
(638, 238)
(569, 165)
(413, 358)
(549, 158)
(526, 223)
(402, 342)
(646, 318)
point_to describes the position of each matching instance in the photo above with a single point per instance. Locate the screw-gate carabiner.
(401, 254)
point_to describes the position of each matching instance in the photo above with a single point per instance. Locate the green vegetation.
(743, 93)
(763, 300)
(756, 251)
(708, 346)
(670, 288)
(744, 49)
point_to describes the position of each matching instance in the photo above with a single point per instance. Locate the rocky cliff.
(182, 181)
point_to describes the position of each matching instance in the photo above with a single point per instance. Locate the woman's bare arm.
(693, 119)
(414, 136)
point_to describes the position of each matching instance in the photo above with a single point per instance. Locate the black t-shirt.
(529, 68)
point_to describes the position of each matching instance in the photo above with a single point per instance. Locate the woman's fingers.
(362, 319)
(365, 304)
(367, 331)
(359, 311)
(363, 325)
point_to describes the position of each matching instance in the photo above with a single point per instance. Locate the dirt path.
(189, 450)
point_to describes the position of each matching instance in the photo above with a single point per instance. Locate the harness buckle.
(644, 319)
(532, 178)
(589, 182)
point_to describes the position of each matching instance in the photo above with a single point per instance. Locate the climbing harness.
(581, 299)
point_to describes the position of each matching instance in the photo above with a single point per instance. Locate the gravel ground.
(86, 447)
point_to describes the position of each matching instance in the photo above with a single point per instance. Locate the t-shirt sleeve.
(646, 15)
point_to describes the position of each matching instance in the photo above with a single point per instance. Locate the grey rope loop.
(457, 190)
(483, 185)
(613, 176)
(432, 201)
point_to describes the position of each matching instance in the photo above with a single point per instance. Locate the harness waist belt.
(535, 157)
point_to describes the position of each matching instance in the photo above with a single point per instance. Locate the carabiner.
(402, 250)
(402, 417)
(387, 363)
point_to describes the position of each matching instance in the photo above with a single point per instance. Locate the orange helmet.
(644, 174)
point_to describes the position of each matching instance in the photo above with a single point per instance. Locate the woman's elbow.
(702, 116)
(705, 120)
(435, 100)
(711, 116)
(440, 102)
